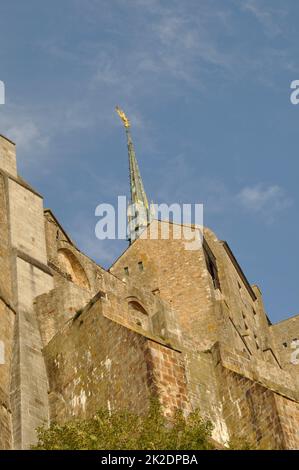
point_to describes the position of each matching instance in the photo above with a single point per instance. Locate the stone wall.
(252, 393)
(243, 315)
(233, 313)
(179, 277)
(7, 304)
(286, 336)
(23, 275)
(68, 262)
(94, 362)
(249, 411)
(27, 275)
(8, 161)
(288, 411)
(168, 376)
(55, 308)
(204, 393)
(77, 279)
(27, 222)
(5, 248)
(7, 318)
(232, 316)
(184, 325)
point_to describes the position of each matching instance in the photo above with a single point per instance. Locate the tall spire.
(139, 215)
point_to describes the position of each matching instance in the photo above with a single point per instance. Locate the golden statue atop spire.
(123, 117)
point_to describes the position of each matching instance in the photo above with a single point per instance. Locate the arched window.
(138, 314)
(70, 265)
(134, 305)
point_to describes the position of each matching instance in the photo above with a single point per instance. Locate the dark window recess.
(211, 265)
(126, 269)
(140, 265)
(244, 320)
(253, 311)
(285, 345)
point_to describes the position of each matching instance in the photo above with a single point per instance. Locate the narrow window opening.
(212, 267)
(244, 320)
(126, 269)
(140, 266)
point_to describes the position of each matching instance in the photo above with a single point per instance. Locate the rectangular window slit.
(140, 266)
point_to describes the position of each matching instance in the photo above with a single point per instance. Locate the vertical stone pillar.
(30, 277)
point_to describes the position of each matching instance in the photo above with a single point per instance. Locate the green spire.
(139, 215)
(136, 186)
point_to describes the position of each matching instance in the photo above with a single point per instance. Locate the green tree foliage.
(123, 430)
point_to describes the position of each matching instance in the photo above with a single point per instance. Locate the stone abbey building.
(184, 325)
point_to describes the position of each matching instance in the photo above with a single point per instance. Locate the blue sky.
(206, 84)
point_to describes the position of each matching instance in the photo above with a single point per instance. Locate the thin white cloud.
(259, 200)
(268, 18)
(157, 51)
(35, 129)
(265, 200)
(157, 47)
(27, 134)
(25, 130)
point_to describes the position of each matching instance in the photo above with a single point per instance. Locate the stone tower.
(24, 274)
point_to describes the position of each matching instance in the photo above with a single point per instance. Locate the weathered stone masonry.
(185, 326)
